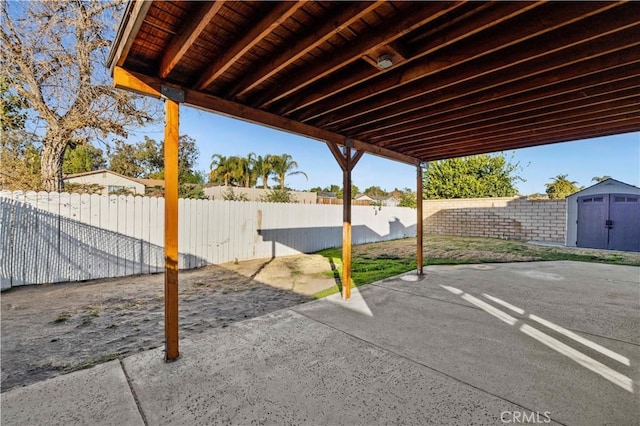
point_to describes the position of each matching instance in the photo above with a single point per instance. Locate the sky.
(616, 156)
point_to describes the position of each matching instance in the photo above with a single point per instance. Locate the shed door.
(593, 212)
(624, 214)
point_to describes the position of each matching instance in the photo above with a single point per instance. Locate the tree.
(81, 158)
(561, 187)
(408, 198)
(263, 168)
(284, 165)
(54, 55)
(19, 161)
(12, 107)
(471, 177)
(600, 178)
(19, 155)
(125, 159)
(375, 191)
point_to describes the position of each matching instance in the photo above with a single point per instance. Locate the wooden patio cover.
(409, 81)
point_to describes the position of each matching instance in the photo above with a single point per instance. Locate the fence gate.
(609, 221)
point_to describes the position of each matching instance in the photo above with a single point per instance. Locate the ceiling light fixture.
(385, 61)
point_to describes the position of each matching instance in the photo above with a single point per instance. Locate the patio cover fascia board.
(151, 86)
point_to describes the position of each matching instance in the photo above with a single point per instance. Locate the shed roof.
(412, 81)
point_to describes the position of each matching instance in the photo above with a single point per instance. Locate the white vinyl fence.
(52, 237)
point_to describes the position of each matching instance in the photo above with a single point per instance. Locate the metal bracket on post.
(176, 95)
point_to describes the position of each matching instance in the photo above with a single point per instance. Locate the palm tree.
(284, 165)
(248, 165)
(263, 169)
(600, 178)
(220, 169)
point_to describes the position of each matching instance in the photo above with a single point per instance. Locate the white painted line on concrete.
(505, 304)
(452, 289)
(597, 367)
(503, 316)
(586, 342)
(596, 347)
(613, 376)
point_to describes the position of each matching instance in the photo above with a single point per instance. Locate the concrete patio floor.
(546, 342)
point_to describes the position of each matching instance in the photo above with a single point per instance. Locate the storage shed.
(605, 216)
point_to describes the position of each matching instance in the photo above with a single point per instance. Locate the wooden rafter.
(317, 36)
(563, 111)
(534, 137)
(485, 90)
(280, 13)
(475, 25)
(373, 39)
(182, 41)
(473, 50)
(618, 81)
(611, 111)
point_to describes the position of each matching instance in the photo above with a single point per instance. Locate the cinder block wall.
(509, 218)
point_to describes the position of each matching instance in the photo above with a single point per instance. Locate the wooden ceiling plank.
(434, 155)
(607, 109)
(485, 90)
(373, 39)
(591, 85)
(509, 141)
(476, 24)
(149, 85)
(280, 13)
(183, 41)
(345, 17)
(513, 115)
(476, 116)
(442, 61)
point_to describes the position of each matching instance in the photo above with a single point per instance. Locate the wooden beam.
(123, 79)
(593, 84)
(222, 106)
(280, 13)
(183, 41)
(347, 15)
(356, 157)
(135, 12)
(503, 110)
(419, 222)
(342, 162)
(171, 130)
(376, 37)
(529, 54)
(486, 90)
(346, 226)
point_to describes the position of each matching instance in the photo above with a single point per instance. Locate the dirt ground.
(53, 329)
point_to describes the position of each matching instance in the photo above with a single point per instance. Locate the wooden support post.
(171, 229)
(346, 226)
(419, 222)
(346, 163)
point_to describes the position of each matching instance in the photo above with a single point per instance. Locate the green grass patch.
(367, 267)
